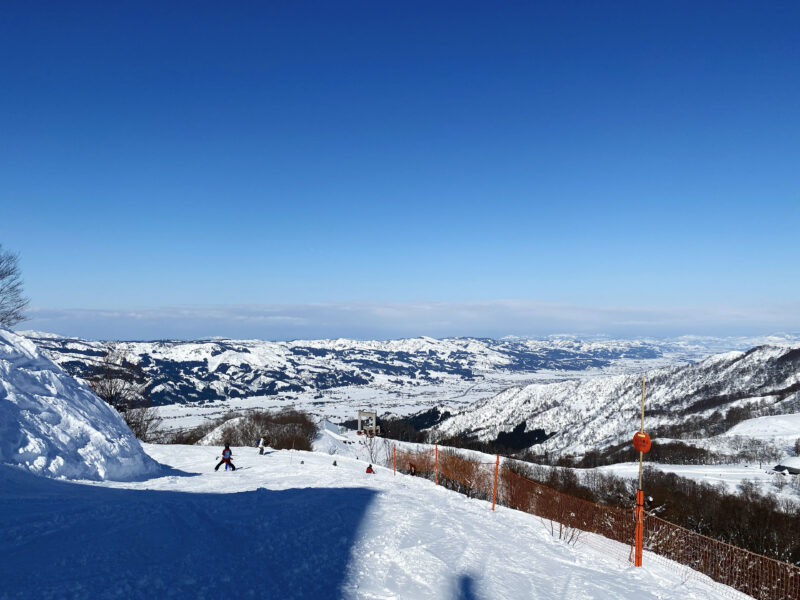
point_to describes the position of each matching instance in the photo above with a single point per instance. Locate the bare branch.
(12, 302)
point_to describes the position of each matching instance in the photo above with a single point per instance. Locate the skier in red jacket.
(226, 458)
(370, 470)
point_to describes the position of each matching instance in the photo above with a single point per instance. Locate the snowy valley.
(192, 382)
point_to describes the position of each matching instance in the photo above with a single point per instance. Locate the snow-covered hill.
(291, 525)
(587, 414)
(54, 425)
(193, 381)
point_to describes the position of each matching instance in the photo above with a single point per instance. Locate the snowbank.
(53, 425)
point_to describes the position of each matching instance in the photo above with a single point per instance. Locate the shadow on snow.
(64, 540)
(465, 588)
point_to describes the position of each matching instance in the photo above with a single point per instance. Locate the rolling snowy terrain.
(196, 381)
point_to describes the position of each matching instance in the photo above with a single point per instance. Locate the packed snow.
(779, 428)
(53, 425)
(290, 524)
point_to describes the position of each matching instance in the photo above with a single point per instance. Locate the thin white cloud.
(387, 320)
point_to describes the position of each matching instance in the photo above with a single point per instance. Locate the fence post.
(494, 491)
(394, 459)
(637, 560)
(641, 441)
(436, 467)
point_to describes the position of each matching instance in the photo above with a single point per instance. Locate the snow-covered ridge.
(594, 413)
(54, 425)
(219, 369)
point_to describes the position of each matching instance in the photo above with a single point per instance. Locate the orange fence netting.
(759, 576)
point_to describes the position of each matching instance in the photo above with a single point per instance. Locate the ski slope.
(291, 525)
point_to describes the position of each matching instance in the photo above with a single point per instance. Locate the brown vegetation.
(282, 430)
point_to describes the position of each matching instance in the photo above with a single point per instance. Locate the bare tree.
(12, 302)
(126, 387)
(372, 444)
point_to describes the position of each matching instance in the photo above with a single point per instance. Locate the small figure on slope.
(226, 458)
(262, 443)
(370, 470)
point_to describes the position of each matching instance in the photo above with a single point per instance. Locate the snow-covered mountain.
(52, 424)
(593, 413)
(200, 380)
(221, 369)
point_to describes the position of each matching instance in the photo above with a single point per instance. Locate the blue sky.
(313, 163)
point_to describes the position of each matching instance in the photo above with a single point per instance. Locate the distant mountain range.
(588, 396)
(221, 369)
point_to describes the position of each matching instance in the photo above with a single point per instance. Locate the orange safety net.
(523, 494)
(418, 463)
(758, 576)
(468, 477)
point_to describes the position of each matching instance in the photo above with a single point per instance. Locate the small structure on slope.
(370, 420)
(790, 465)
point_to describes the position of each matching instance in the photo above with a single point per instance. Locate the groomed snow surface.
(291, 525)
(53, 425)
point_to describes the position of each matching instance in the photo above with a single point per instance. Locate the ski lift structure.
(368, 423)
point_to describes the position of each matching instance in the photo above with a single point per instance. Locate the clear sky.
(374, 169)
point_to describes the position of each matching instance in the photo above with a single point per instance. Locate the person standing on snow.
(370, 470)
(261, 445)
(226, 458)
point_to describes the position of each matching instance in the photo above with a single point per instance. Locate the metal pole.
(641, 430)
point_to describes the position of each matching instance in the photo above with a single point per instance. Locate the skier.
(369, 469)
(261, 445)
(226, 458)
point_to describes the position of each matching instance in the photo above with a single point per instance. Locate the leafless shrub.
(195, 434)
(372, 445)
(563, 531)
(124, 385)
(465, 476)
(287, 429)
(144, 422)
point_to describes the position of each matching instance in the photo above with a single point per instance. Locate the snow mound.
(54, 425)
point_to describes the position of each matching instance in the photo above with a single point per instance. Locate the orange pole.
(394, 459)
(637, 561)
(436, 467)
(494, 491)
